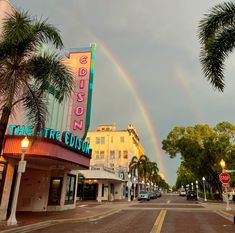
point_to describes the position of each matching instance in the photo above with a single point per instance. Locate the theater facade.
(56, 153)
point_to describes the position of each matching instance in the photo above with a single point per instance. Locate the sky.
(147, 69)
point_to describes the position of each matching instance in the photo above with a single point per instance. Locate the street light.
(192, 185)
(204, 188)
(129, 187)
(197, 188)
(222, 164)
(142, 185)
(21, 169)
(134, 179)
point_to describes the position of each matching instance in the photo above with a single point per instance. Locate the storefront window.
(70, 189)
(2, 177)
(55, 190)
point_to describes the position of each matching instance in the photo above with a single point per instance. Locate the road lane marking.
(159, 221)
(81, 205)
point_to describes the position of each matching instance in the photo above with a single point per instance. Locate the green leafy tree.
(201, 148)
(216, 34)
(184, 177)
(27, 73)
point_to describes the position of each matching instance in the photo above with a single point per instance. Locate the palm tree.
(152, 169)
(136, 167)
(217, 38)
(27, 73)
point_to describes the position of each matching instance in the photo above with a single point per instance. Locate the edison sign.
(81, 62)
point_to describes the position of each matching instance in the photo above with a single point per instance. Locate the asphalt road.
(168, 214)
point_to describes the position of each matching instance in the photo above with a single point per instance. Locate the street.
(168, 214)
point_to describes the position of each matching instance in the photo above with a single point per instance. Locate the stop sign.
(224, 178)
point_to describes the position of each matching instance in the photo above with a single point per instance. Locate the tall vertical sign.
(81, 62)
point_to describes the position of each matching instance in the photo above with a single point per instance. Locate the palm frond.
(212, 59)
(46, 33)
(16, 27)
(220, 16)
(35, 107)
(49, 71)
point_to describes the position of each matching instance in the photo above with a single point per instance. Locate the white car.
(182, 193)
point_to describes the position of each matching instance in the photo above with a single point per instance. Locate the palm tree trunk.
(3, 125)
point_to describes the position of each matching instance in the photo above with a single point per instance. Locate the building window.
(112, 154)
(119, 154)
(70, 189)
(122, 140)
(97, 154)
(3, 167)
(111, 139)
(102, 154)
(125, 154)
(97, 140)
(102, 140)
(55, 190)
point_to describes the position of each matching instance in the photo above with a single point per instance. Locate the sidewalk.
(220, 208)
(36, 220)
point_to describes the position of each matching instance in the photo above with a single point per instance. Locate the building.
(102, 184)
(114, 148)
(56, 153)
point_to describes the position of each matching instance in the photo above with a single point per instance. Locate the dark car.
(158, 193)
(191, 195)
(153, 195)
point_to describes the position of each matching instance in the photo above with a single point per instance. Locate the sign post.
(225, 179)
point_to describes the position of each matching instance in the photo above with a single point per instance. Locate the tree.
(201, 149)
(151, 171)
(217, 38)
(26, 72)
(136, 167)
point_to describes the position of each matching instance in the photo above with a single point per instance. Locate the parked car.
(182, 192)
(158, 193)
(144, 195)
(191, 195)
(153, 195)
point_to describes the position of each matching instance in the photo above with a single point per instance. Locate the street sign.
(224, 178)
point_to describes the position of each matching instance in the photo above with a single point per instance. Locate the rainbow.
(128, 80)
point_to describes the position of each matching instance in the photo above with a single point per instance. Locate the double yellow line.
(158, 223)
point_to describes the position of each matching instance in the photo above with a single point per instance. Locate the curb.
(40, 225)
(226, 215)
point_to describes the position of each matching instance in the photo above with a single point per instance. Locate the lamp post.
(204, 188)
(134, 179)
(129, 187)
(21, 169)
(142, 185)
(222, 164)
(197, 189)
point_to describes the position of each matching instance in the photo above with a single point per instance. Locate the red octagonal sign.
(224, 178)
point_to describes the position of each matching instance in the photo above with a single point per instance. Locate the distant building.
(114, 148)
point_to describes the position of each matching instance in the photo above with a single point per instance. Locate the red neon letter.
(82, 71)
(83, 59)
(81, 84)
(78, 125)
(80, 97)
(79, 111)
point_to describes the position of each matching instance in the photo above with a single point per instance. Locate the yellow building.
(114, 148)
